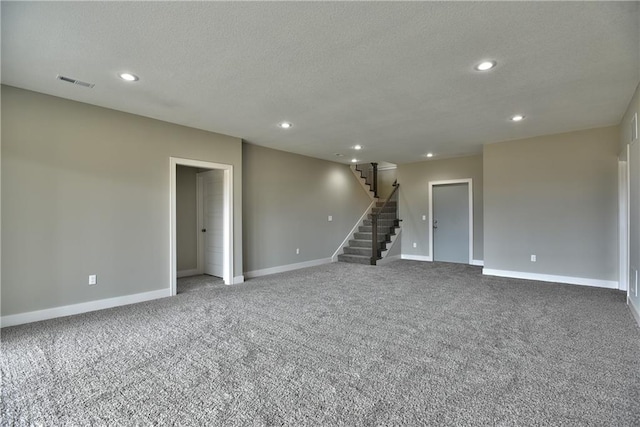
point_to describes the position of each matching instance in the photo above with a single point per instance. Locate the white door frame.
(623, 225)
(227, 218)
(468, 181)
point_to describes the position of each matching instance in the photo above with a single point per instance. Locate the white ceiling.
(395, 77)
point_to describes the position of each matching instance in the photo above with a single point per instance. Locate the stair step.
(382, 222)
(355, 259)
(387, 209)
(381, 229)
(361, 243)
(392, 203)
(359, 251)
(384, 215)
(368, 236)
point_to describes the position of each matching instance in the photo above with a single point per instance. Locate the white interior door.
(213, 222)
(451, 223)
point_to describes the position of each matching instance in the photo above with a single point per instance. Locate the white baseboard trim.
(287, 267)
(479, 262)
(237, 280)
(388, 259)
(634, 310)
(187, 273)
(85, 307)
(416, 257)
(609, 284)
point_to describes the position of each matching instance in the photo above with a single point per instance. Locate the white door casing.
(228, 257)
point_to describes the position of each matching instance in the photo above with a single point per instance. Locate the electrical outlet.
(424, 217)
(330, 218)
(534, 258)
(297, 251)
(415, 245)
(93, 279)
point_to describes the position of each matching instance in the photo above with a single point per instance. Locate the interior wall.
(86, 191)
(556, 197)
(414, 181)
(386, 178)
(288, 199)
(186, 217)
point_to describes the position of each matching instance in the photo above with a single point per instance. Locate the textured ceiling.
(395, 77)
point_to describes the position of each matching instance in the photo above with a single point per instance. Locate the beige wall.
(186, 232)
(288, 198)
(85, 190)
(414, 199)
(386, 178)
(556, 197)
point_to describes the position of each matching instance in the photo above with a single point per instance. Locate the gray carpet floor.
(407, 343)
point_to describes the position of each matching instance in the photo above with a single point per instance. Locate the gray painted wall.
(414, 199)
(186, 218)
(86, 191)
(386, 177)
(555, 197)
(288, 198)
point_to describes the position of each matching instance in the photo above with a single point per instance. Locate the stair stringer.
(354, 230)
(363, 182)
(394, 238)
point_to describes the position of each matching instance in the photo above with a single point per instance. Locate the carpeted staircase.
(359, 249)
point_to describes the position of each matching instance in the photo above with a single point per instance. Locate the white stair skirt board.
(85, 307)
(363, 183)
(188, 273)
(635, 311)
(237, 280)
(479, 262)
(598, 283)
(384, 258)
(360, 222)
(387, 260)
(416, 257)
(287, 267)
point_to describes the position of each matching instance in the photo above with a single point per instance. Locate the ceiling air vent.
(74, 81)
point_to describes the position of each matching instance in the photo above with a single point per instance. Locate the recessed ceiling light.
(354, 160)
(517, 118)
(128, 77)
(285, 125)
(485, 65)
(357, 147)
(429, 154)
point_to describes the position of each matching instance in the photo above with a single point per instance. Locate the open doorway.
(221, 219)
(451, 219)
